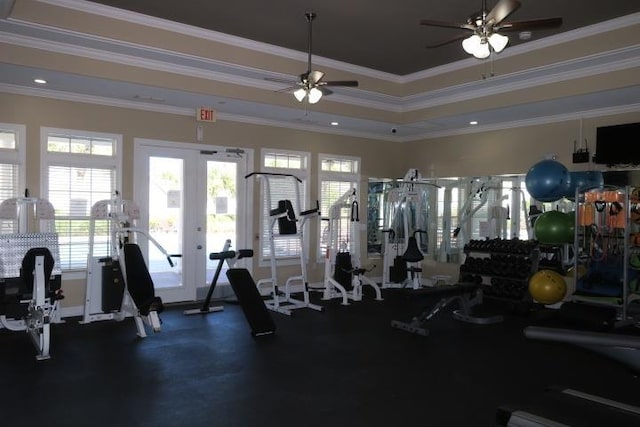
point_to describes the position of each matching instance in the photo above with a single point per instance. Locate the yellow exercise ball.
(547, 287)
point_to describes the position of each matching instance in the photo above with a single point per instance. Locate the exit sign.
(206, 114)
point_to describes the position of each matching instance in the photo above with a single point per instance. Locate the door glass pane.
(221, 211)
(166, 202)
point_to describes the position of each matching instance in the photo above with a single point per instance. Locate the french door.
(192, 199)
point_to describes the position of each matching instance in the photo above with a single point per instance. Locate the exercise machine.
(253, 305)
(118, 281)
(561, 406)
(405, 231)
(228, 256)
(466, 295)
(30, 273)
(285, 231)
(622, 348)
(344, 276)
(485, 194)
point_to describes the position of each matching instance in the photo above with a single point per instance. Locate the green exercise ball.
(555, 228)
(547, 287)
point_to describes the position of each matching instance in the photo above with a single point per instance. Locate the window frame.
(304, 173)
(353, 178)
(48, 159)
(18, 155)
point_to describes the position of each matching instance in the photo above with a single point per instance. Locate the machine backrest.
(139, 282)
(29, 265)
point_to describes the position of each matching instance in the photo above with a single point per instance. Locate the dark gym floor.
(343, 367)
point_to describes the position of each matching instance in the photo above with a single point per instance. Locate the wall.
(507, 151)
(479, 154)
(379, 158)
(511, 151)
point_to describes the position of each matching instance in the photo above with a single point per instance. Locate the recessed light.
(334, 123)
(524, 35)
(40, 81)
(473, 122)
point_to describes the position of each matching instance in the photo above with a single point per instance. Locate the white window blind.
(11, 168)
(337, 176)
(283, 188)
(80, 169)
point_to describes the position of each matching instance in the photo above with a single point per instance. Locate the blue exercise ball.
(584, 180)
(548, 181)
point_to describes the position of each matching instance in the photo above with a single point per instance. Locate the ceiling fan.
(486, 27)
(310, 85)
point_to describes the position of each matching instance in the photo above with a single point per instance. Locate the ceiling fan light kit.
(481, 47)
(310, 86)
(486, 27)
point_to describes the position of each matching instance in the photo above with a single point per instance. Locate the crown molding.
(137, 18)
(210, 69)
(569, 36)
(152, 107)
(544, 120)
(211, 35)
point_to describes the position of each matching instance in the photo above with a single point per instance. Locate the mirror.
(455, 211)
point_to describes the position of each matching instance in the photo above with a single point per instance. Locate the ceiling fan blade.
(315, 76)
(288, 89)
(345, 83)
(432, 23)
(501, 10)
(455, 39)
(277, 80)
(530, 25)
(325, 91)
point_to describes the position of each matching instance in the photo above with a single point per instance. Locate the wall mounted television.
(618, 145)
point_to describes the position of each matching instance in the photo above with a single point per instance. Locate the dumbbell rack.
(502, 266)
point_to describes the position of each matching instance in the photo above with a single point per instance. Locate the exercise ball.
(548, 181)
(547, 287)
(584, 180)
(554, 228)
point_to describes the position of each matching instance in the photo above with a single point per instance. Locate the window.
(338, 174)
(283, 162)
(478, 208)
(78, 169)
(12, 171)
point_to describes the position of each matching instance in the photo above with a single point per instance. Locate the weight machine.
(343, 274)
(285, 231)
(118, 282)
(30, 273)
(483, 193)
(405, 232)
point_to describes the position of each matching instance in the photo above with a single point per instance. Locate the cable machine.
(344, 276)
(30, 272)
(118, 282)
(405, 232)
(285, 230)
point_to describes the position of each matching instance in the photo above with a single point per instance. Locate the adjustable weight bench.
(467, 295)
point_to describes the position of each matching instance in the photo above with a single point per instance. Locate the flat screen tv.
(618, 145)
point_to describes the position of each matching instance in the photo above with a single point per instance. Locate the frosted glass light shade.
(314, 95)
(300, 94)
(482, 51)
(498, 42)
(470, 44)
